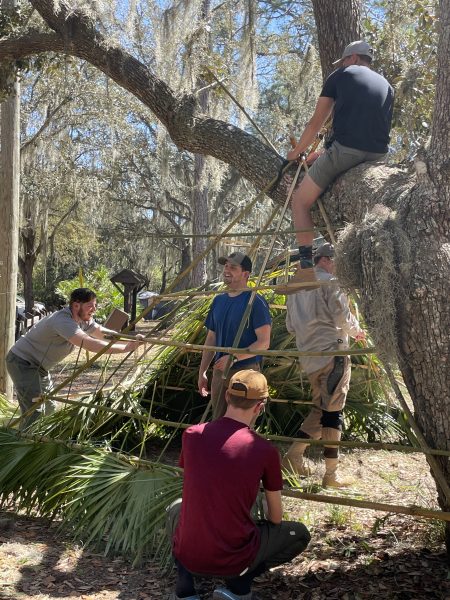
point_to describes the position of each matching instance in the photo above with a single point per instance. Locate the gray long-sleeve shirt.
(321, 321)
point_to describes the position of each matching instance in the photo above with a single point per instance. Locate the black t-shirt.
(363, 108)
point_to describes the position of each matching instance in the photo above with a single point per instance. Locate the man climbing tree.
(362, 103)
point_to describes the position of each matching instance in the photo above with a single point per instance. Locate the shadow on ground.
(37, 563)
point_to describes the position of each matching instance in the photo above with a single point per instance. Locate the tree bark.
(9, 218)
(338, 23)
(26, 264)
(200, 221)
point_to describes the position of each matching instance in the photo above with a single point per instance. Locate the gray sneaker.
(223, 594)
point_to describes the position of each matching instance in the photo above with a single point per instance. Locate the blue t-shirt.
(363, 107)
(225, 316)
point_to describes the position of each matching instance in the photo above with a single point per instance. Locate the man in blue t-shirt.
(362, 101)
(223, 321)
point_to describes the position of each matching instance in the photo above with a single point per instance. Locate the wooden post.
(9, 219)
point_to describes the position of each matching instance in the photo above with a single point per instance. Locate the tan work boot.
(294, 462)
(331, 477)
(297, 282)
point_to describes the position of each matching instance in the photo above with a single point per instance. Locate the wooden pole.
(415, 511)
(233, 350)
(277, 438)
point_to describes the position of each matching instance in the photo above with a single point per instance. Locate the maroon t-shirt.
(224, 462)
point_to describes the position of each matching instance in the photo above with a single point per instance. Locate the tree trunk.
(425, 363)
(9, 219)
(26, 265)
(199, 220)
(338, 23)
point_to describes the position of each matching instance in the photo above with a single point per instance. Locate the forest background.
(102, 184)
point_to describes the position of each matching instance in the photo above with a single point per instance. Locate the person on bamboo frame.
(362, 104)
(48, 342)
(223, 323)
(213, 533)
(321, 321)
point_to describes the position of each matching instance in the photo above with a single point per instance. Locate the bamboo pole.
(269, 232)
(415, 511)
(222, 290)
(435, 467)
(250, 303)
(236, 350)
(277, 438)
(33, 437)
(235, 100)
(154, 301)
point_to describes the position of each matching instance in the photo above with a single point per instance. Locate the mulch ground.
(354, 554)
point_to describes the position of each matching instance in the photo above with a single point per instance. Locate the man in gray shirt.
(48, 342)
(322, 321)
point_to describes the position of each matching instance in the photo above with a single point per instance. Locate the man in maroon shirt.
(224, 462)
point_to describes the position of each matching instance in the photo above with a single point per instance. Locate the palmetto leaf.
(104, 498)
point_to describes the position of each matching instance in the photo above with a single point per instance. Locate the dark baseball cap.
(324, 250)
(237, 258)
(358, 47)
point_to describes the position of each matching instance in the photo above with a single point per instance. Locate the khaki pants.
(30, 381)
(218, 389)
(323, 400)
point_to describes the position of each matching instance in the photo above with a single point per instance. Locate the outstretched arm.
(323, 110)
(207, 357)
(342, 315)
(87, 342)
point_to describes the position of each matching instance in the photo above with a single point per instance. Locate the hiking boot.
(296, 467)
(302, 280)
(223, 593)
(331, 477)
(334, 481)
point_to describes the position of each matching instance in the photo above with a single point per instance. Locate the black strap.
(284, 164)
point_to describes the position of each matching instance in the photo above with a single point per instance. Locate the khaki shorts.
(336, 160)
(322, 399)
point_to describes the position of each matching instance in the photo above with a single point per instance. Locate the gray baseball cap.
(237, 258)
(358, 47)
(324, 250)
